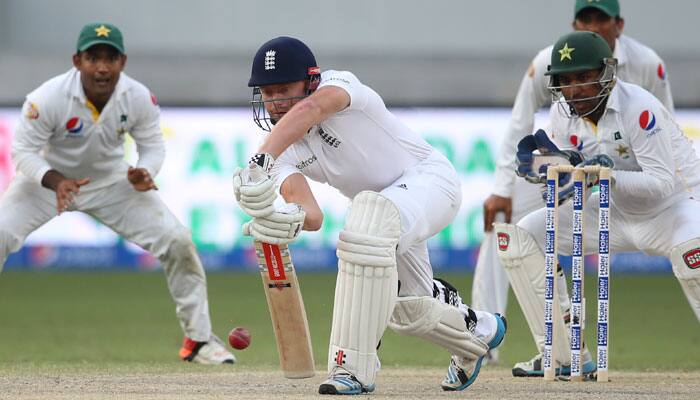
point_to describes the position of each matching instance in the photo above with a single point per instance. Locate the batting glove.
(253, 188)
(281, 227)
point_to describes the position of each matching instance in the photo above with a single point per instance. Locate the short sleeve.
(284, 166)
(347, 81)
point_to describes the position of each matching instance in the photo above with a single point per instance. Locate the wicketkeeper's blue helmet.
(281, 60)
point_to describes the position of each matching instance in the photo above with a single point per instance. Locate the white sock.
(486, 325)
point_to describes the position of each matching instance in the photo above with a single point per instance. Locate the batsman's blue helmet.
(281, 60)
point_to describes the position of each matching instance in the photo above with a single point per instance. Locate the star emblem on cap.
(102, 31)
(565, 52)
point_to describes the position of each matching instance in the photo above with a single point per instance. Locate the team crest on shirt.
(623, 152)
(74, 126)
(328, 139)
(122, 125)
(32, 111)
(574, 140)
(647, 121)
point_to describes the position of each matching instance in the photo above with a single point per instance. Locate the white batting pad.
(439, 323)
(367, 284)
(524, 264)
(685, 259)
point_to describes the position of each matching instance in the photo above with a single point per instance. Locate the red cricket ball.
(239, 338)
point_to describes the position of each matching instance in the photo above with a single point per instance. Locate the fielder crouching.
(654, 206)
(333, 129)
(69, 154)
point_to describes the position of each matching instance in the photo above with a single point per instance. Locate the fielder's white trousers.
(654, 234)
(140, 217)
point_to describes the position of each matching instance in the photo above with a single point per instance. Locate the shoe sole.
(330, 389)
(588, 368)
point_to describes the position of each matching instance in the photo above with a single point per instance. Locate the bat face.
(286, 310)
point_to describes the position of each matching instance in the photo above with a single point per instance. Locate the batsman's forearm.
(292, 127)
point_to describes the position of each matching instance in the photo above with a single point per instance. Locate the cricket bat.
(286, 310)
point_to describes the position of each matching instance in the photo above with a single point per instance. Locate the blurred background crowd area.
(450, 69)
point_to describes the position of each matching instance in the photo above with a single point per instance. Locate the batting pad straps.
(367, 285)
(439, 323)
(364, 249)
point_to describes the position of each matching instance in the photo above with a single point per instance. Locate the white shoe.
(340, 381)
(211, 352)
(534, 366)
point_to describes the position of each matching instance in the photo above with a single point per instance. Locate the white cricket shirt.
(60, 129)
(363, 147)
(637, 64)
(655, 163)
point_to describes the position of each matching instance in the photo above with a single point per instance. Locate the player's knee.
(514, 243)
(685, 259)
(371, 232)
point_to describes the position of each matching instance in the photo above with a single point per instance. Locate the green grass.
(103, 320)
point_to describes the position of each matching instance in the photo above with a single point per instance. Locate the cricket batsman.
(333, 129)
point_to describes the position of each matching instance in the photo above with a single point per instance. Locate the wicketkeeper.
(596, 118)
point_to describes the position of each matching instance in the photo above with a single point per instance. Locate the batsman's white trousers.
(140, 217)
(428, 197)
(490, 286)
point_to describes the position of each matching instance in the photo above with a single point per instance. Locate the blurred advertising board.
(204, 146)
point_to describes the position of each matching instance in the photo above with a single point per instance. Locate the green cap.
(578, 51)
(100, 33)
(610, 7)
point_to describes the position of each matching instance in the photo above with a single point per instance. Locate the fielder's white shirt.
(363, 147)
(637, 64)
(60, 129)
(655, 163)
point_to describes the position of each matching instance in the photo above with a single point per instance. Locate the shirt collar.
(613, 102)
(619, 52)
